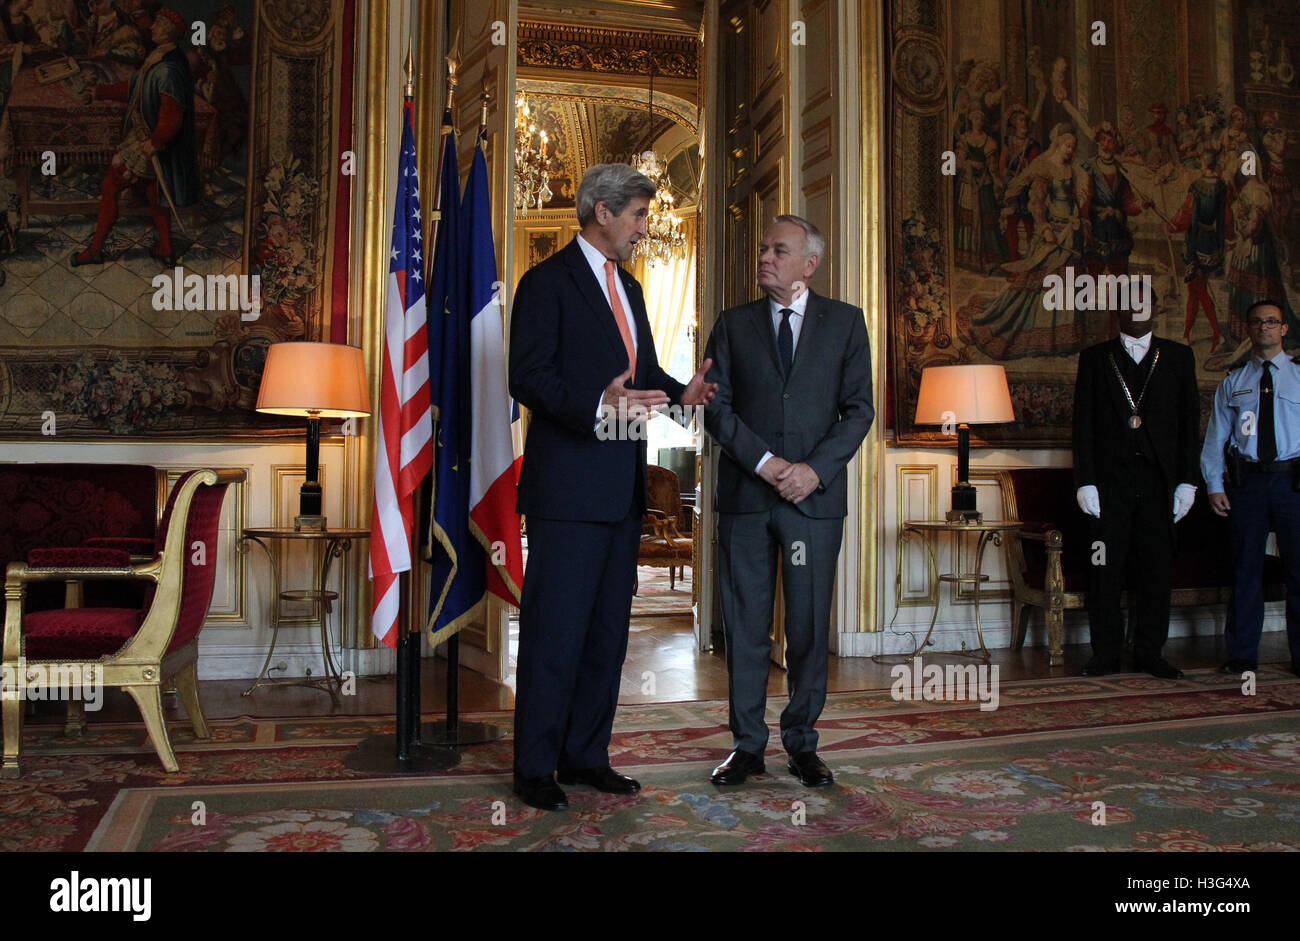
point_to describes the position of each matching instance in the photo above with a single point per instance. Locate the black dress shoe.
(1160, 667)
(542, 793)
(810, 770)
(739, 765)
(1238, 667)
(602, 779)
(1099, 666)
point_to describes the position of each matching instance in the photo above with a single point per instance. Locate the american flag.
(405, 446)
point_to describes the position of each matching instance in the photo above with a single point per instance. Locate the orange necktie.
(619, 316)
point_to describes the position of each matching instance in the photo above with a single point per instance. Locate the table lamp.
(964, 396)
(315, 381)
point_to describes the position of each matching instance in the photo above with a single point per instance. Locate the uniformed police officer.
(1256, 481)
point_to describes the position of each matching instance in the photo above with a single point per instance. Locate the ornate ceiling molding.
(606, 50)
(680, 110)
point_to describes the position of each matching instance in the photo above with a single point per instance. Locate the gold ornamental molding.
(666, 105)
(871, 161)
(930, 473)
(602, 49)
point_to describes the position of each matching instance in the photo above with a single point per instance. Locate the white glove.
(1184, 497)
(1089, 500)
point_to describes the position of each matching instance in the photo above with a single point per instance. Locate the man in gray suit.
(792, 407)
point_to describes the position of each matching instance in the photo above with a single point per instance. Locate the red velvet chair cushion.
(66, 504)
(196, 591)
(89, 633)
(78, 633)
(82, 557)
(135, 545)
(51, 505)
(1045, 499)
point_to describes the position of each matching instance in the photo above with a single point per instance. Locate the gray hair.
(814, 241)
(613, 184)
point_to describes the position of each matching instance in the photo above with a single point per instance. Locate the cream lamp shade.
(972, 395)
(316, 380)
(964, 396)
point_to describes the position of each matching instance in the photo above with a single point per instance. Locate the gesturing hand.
(635, 403)
(699, 392)
(796, 482)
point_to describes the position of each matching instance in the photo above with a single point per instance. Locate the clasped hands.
(792, 481)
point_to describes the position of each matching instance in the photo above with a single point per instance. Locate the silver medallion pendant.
(1135, 421)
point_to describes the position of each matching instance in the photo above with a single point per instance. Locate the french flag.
(494, 469)
(475, 546)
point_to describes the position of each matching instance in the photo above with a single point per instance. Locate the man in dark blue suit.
(580, 349)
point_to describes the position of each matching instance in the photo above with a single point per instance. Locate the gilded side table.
(330, 544)
(990, 531)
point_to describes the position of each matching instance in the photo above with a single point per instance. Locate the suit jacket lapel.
(760, 313)
(812, 315)
(589, 288)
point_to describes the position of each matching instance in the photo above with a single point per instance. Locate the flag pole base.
(462, 733)
(378, 755)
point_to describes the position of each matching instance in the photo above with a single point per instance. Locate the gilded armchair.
(136, 649)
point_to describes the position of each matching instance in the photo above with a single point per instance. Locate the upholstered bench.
(1048, 559)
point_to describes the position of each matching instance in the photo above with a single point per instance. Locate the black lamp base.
(963, 505)
(309, 516)
(963, 494)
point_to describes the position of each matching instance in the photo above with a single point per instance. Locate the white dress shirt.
(1136, 347)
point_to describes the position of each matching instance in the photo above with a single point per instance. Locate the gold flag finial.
(453, 61)
(486, 96)
(410, 70)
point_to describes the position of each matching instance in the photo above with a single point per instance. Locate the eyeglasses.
(1270, 323)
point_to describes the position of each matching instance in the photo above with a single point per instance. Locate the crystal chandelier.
(531, 161)
(664, 238)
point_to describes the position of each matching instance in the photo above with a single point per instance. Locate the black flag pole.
(403, 752)
(452, 731)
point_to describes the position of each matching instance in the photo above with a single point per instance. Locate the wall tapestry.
(92, 209)
(1088, 139)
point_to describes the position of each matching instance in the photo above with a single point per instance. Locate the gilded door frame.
(871, 85)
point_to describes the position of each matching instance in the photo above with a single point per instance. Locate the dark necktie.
(1267, 451)
(785, 341)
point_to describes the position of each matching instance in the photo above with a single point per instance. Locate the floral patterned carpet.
(1119, 763)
